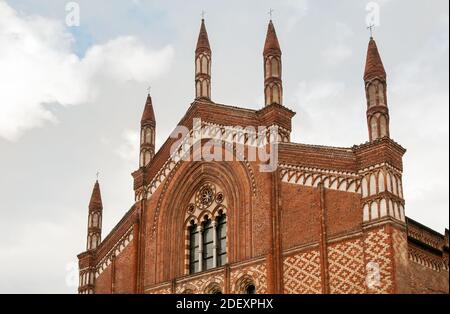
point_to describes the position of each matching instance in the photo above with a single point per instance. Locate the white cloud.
(129, 149)
(313, 94)
(298, 9)
(337, 54)
(40, 239)
(38, 67)
(343, 31)
(325, 110)
(338, 51)
(418, 102)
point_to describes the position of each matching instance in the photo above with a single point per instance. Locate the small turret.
(375, 84)
(273, 85)
(203, 65)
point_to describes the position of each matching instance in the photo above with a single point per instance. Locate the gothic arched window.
(208, 244)
(207, 230)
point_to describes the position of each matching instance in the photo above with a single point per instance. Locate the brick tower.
(273, 86)
(203, 65)
(375, 81)
(148, 130)
(94, 238)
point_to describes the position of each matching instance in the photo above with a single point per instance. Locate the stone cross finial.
(370, 28)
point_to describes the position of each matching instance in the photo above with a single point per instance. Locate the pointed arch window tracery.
(206, 245)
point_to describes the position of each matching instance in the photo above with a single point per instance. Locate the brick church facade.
(320, 220)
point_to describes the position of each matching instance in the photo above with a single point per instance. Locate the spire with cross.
(371, 28)
(203, 64)
(376, 92)
(148, 129)
(94, 234)
(273, 85)
(271, 13)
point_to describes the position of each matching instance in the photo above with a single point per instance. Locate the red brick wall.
(149, 242)
(301, 272)
(260, 215)
(346, 267)
(426, 280)
(103, 282)
(428, 271)
(400, 251)
(379, 253)
(343, 212)
(300, 215)
(124, 279)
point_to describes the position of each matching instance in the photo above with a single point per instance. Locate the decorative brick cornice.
(426, 237)
(426, 259)
(374, 143)
(118, 247)
(380, 166)
(320, 157)
(209, 131)
(331, 179)
(117, 232)
(217, 114)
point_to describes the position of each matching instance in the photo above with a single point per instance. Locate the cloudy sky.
(71, 100)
